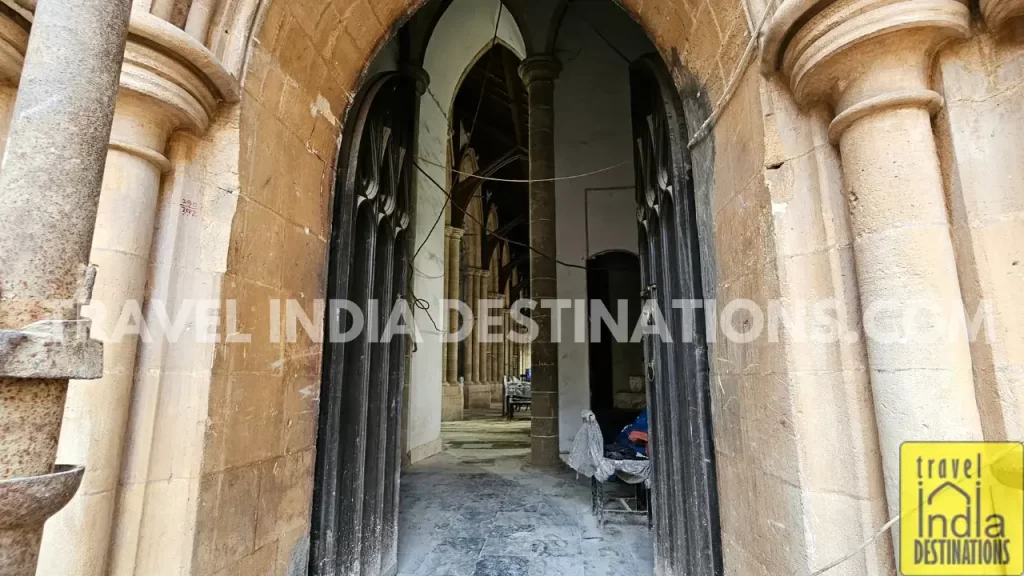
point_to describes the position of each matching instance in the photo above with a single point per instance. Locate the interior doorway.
(618, 388)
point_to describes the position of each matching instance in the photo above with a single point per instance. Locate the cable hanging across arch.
(525, 180)
(498, 236)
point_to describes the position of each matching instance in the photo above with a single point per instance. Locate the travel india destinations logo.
(962, 509)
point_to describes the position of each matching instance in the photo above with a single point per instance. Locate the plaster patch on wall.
(218, 215)
(322, 107)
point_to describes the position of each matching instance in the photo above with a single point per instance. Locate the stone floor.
(477, 509)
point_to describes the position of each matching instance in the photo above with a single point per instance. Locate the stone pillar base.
(451, 402)
(497, 394)
(478, 395)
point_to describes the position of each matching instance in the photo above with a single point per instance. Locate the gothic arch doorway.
(617, 387)
(355, 507)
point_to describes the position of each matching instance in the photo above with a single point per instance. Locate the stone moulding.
(999, 12)
(806, 37)
(927, 99)
(166, 64)
(25, 504)
(28, 502)
(51, 349)
(188, 50)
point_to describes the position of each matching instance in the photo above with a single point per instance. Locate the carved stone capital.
(169, 81)
(453, 232)
(999, 12)
(541, 68)
(859, 56)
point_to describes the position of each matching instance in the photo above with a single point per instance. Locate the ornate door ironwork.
(355, 496)
(686, 526)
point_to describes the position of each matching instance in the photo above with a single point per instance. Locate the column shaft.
(49, 190)
(453, 396)
(467, 342)
(445, 321)
(96, 417)
(478, 357)
(904, 260)
(453, 291)
(539, 73)
(159, 94)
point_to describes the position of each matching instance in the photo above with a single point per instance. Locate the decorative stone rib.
(999, 12)
(928, 99)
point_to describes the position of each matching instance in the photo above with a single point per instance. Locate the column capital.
(542, 68)
(861, 59)
(453, 232)
(169, 82)
(999, 12)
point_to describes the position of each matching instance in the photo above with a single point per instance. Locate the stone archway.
(305, 63)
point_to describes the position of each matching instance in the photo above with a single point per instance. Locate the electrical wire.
(526, 180)
(499, 237)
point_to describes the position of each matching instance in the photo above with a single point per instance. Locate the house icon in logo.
(948, 520)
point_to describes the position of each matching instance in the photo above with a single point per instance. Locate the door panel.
(686, 526)
(355, 496)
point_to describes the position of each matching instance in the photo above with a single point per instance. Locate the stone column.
(539, 74)
(49, 191)
(496, 371)
(485, 335)
(445, 328)
(478, 392)
(474, 339)
(467, 343)
(505, 348)
(452, 394)
(873, 67)
(160, 93)
(484, 346)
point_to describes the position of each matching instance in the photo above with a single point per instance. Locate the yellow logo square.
(962, 508)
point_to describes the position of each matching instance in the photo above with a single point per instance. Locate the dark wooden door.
(685, 505)
(355, 495)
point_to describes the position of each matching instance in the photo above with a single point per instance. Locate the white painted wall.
(593, 130)
(462, 34)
